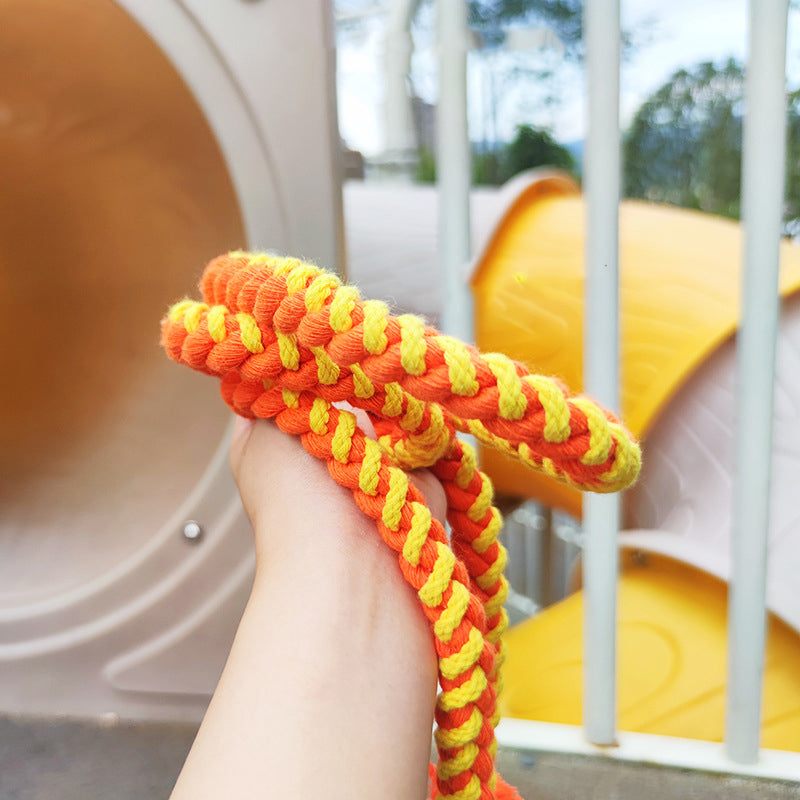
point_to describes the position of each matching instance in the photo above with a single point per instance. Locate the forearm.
(330, 685)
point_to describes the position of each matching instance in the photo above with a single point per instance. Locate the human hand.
(330, 687)
(297, 510)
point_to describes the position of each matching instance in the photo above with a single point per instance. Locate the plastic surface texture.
(138, 137)
(679, 294)
(681, 506)
(672, 656)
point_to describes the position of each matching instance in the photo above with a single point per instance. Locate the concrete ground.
(46, 759)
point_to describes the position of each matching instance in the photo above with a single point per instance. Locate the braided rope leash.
(288, 340)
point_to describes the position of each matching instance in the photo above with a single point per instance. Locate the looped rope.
(289, 340)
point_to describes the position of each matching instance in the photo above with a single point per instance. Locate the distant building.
(352, 164)
(424, 114)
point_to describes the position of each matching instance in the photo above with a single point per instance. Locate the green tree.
(792, 209)
(565, 17)
(488, 17)
(684, 144)
(426, 166)
(530, 148)
(486, 168)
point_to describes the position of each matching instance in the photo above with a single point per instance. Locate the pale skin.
(330, 686)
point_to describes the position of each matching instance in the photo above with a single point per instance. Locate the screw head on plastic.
(192, 531)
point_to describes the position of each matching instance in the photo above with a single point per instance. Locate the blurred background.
(681, 93)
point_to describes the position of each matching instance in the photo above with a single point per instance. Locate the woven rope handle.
(300, 307)
(288, 341)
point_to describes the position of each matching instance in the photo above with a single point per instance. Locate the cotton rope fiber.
(288, 340)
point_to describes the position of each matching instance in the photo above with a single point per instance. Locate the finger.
(242, 428)
(270, 467)
(424, 480)
(433, 492)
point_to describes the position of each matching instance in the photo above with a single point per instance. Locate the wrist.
(350, 584)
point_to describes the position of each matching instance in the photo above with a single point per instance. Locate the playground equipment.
(137, 138)
(679, 307)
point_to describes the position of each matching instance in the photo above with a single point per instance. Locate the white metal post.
(453, 168)
(601, 358)
(762, 200)
(399, 137)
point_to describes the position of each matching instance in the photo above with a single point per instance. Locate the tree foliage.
(565, 17)
(792, 208)
(530, 148)
(684, 144)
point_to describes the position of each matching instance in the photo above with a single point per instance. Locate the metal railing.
(601, 361)
(762, 197)
(764, 147)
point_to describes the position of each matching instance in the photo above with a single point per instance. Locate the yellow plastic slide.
(679, 287)
(672, 659)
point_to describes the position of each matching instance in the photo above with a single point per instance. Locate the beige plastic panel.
(137, 141)
(681, 506)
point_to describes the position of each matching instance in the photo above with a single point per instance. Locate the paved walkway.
(69, 760)
(392, 247)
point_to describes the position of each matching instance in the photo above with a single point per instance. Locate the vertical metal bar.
(533, 564)
(547, 565)
(601, 358)
(453, 167)
(762, 201)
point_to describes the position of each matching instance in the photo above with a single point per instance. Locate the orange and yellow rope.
(289, 340)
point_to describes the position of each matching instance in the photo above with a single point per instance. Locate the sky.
(670, 35)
